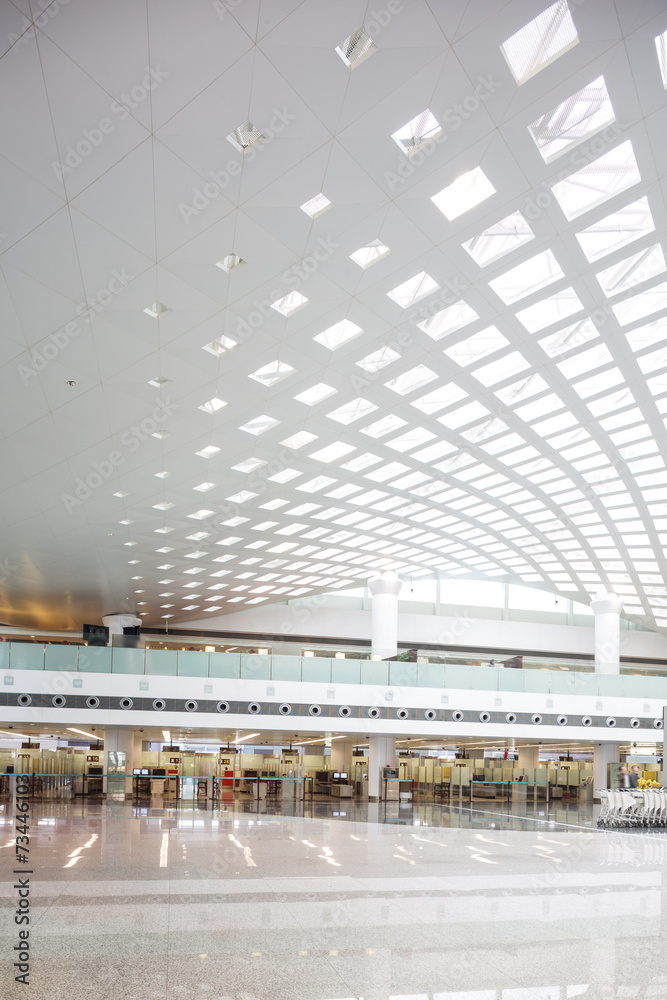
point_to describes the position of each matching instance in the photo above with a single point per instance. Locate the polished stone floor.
(332, 901)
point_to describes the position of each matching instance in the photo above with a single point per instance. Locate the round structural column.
(121, 740)
(116, 624)
(607, 609)
(381, 753)
(603, 755)
(384, 614)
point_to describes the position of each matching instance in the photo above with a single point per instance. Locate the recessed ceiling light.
(245, 136)
(198, 536)
(121, 494)
(356, 47)
(298, 440)
(163, 531)
(208, 451)
(213, 405)
(129, 543)
(467, 191)
(199, 515)
(316, 206)
(272, 373)
(133, 562)
(166, 566)
(219, 346)
(289, 303)
(126, 521)
(162, 475)
(156, 310)
(164, 505)
(165, 548)
(161, 435)
(204, 487)
(368, 255)
(230, 262)
(158, 381)
(417, 133)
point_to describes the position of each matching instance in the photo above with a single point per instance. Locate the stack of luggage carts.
(624, 808)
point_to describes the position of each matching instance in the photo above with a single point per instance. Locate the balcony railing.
(320, 670)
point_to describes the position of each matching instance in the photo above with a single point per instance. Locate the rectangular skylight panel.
(413, 379)
(356, 47)
(384, 426)
(482, 432)
(413, 290)
(574, 120)
(352, 411)
(569, 338)
(298, 440)
(487, 341)
(448, 320)
(434, 451)
(585, 361)
(411, 439)
(527, 277)
(316, 206)
(540, 42)
(360, 462)
(289, 303)
(219, 346)
(271, 373)
(385, 472)
(464, 415)
(544, 313)
(499, 239)
(524, 389)
(616, 230)
(248, 465)
(374, 362)
(332, 452)
(315, 394)
(338, 334)
(641, 304)
(646, 336)
(368, 255)
(502, 368)
(661, 46)
(417, 133)
(632, 271)
(285, 476)
(213, 405)
(436, 400)
(598, 383)
(467, 191)
(258, 425)
(318, 483)
(598, 181)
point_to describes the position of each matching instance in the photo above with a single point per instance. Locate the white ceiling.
(569, 505)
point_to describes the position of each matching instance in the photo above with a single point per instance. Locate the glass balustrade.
(576, 678)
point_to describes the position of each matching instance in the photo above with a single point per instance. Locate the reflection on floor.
(132, 901)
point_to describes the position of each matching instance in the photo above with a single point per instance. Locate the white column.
(123, 741)
(116, 624)
(381, 753)
(607, 609)
(529, 757)
(603, 754)
(337, 759)
(384, 614)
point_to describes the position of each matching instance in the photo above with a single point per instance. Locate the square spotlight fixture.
(230, 262)
(356, 47)
(467, 191)
(245, 136)
(156, 310)
(316, 206)
(289, 303)
(417, 133)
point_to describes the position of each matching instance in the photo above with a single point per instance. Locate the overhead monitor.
(136, 770)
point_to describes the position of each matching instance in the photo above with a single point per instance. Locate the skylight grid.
(448, 320)
(413, 379)
(352, 411)
(548, 311)
(598, 181)
(574, 120)
(374, 362)
(614, 231)
(540, 42)
(338, 334)
(413, 290)
(273, 372)
(499, 239)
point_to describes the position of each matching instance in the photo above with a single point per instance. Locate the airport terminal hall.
(333, 505)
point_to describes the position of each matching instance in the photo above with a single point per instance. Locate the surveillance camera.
(141, 730)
